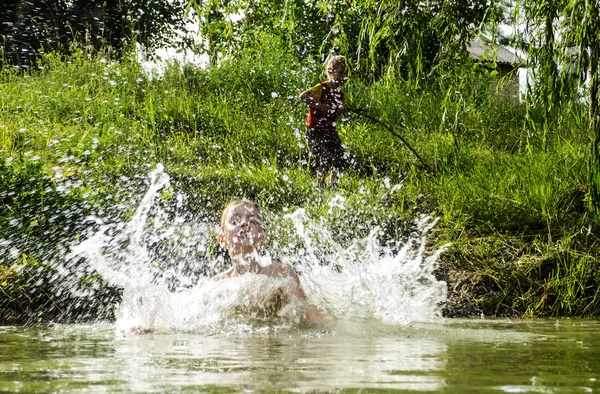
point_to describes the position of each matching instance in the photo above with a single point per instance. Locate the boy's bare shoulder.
(278, 269)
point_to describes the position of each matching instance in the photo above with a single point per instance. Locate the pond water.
(460, 356)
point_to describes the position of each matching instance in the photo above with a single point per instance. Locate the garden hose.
(365, 114)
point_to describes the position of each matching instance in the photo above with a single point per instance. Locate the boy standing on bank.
(326, 104)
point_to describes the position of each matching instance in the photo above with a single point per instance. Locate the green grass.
(510, 200)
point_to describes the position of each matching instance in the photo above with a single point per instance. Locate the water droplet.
(386, 182)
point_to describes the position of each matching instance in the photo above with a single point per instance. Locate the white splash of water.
(362, 279)
(123, 257)
(366, 279)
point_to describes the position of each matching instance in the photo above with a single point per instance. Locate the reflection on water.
(286, 361)
(450, 356)
(56, 358)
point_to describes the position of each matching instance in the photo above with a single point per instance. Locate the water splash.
(368, 279)
(363, 278)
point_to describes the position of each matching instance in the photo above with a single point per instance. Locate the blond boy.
(244, 238)
(326, 103)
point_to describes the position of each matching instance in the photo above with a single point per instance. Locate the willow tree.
(409, 36)
(567, 33)
(582, 31)
(229, 26)
(538, 34)
(31, 27)
(414, 37)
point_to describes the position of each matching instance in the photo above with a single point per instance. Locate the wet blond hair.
(335, 62)
(236, 203)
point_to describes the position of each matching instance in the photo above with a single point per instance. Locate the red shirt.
(334, 98)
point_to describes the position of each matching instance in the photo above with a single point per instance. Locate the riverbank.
(77, 139)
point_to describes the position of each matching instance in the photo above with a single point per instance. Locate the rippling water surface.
(449, 356)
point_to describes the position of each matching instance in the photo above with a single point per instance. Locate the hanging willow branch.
(365, 114)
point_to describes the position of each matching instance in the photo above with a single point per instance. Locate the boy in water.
(326, 103)
(244, 238)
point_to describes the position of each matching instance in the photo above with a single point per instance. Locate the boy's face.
(337, 74)
(241, 230)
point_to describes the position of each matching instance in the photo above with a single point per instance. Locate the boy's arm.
(312, 315)
(312, 97)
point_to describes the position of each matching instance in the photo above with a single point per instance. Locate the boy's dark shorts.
(325, 149)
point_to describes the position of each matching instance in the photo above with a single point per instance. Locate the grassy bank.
(77, 139)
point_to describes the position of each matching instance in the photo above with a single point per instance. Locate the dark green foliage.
(506, 276)
(410, 38)
(26, 192)
(38, 220)
(34, 292)
(304, 26)
(30, 28)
